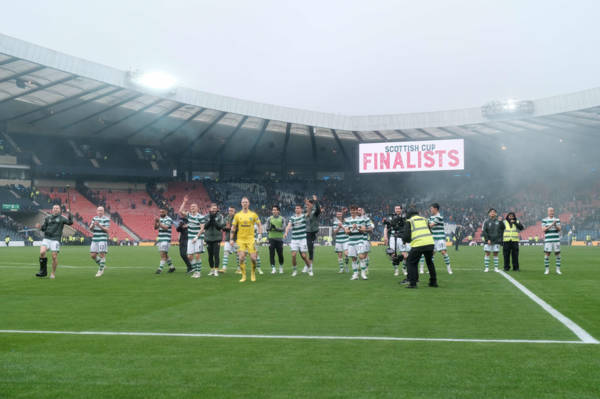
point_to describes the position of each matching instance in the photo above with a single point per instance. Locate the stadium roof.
(58, 94)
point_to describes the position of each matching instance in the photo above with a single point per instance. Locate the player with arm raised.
(163, 224)
(195, 245)
(99, 246)
(52, 229)
(242, 230)
(297, 225)
(551, 228)
(341, 241)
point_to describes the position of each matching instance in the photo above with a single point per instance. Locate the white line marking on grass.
(583, 335)
(295, 337)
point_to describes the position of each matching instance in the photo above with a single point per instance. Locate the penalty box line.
(294, 337)
(583, 335)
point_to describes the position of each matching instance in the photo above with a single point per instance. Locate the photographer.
(394, 226)
(213, 235)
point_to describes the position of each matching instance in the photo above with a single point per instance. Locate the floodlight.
(154, 80)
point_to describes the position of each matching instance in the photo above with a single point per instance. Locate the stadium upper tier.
(45, 91)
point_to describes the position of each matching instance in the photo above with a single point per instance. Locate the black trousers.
(412, 264)
(275, 245)
(456, 244)
(214, 250)
(510, 249)
(183, 254)
(311, 237)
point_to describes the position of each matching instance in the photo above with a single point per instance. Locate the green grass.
(129, 297)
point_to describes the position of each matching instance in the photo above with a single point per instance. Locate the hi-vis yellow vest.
(419, 232)
(510, 233)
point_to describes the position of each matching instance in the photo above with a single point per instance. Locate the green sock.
(102, 263)
(447, 260)
(495, 261)
(558, 261)
(341, 263)
(161, 265)
(355, 266)
(169, 262)
(225, 259)
(546, 261)
(486, 261)
(258, 262)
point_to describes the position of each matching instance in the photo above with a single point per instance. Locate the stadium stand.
(83, 211)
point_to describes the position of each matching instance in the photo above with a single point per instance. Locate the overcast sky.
(349, 57)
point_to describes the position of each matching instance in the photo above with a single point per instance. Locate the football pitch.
(134, 334)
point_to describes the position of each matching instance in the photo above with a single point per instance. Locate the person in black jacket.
(491, 234)
(182, 228)
(510, 228)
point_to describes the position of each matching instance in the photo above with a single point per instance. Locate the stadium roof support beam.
(203, 132)
(38, 88)
(288, 127)
(377, 132)
(357, 136)
(182, 124)
(18, 75)
(122, 102)
(426, 132)
(54, 104)
(231, 137)
(313, 144)
(339, 143)
(258, 138)
(108, 93)
(155, 120)
(129, 116)
(227, 143)
(8, 61)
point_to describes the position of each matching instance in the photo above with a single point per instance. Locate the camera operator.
(213, 235)
(392, 235)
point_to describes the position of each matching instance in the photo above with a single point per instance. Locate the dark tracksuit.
(510, 249)
(312, 228)
(213, 234)
(183, 239)
(412, 261)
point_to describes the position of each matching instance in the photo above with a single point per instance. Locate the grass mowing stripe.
(300, 337)
(583, 335)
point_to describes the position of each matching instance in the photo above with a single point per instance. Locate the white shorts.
(163, 246)
(340, 247)
(99, 246)
(366, 246)
(230, 248)
(397, 245)
(299, 245)
(552, 247)
(195, 247)
(354, 250)
(491, 247)
(439, 245)
(52, 245)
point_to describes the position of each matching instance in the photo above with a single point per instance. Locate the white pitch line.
(583, 335)
(294, 337)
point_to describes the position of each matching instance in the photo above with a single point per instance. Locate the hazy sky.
(349, 57)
